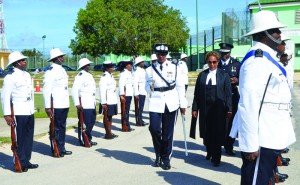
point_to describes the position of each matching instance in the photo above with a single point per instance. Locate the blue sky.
(26, 21)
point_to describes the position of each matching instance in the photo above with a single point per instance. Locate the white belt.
(279, 106)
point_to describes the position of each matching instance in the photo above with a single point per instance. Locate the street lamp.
(43, 37)
(198, 62)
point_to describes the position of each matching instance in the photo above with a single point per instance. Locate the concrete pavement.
(128, 159)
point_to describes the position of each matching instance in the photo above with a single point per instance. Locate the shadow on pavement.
(126, 157)
(72, 140)
(6, 162)
(95, 134)
(190, 145)
(178, 178)
(42, 148)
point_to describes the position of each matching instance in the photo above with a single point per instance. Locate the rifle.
(123, 112)
(53, 143)
(83, 134)
(136, 111)
(14, 144)
(184, 134)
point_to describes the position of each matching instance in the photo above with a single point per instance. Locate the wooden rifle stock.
(14, 145)
(136, 111)
(83, 134)
(123, 117)
(54, 147)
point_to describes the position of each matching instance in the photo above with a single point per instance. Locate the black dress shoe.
(24, 169)
(32, 166)
(166, 165)
(285, 159)
(130, 129)
(157, 162)
(112, 136)
(282, 175)
(286, 150)
(93, 143)
(285, 163)
(230, 152)
(65, 152)
(281, 179)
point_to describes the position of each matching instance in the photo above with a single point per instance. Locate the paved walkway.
(129, 158)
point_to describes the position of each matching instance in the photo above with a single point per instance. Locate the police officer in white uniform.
(108, 98)
(184, 69)
(263, 121)
(126, 90)
(56, 88)
(17, 92)
(153, 58)
(167, 95)
(84, 87)
(140, 88)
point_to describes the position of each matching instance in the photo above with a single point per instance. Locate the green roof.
(273, 1)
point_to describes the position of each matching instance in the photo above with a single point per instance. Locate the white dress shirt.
(56, 84)
(126, 82)
(212, 75)
(107, 89)
(84, 86)
(17, 86)
(182, 67)
(140, 82)
(273, 127)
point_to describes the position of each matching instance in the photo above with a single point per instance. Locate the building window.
(297, 17)
(297, 50)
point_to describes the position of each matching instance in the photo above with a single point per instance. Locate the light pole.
(198, 62)
(150, 38)
(43, 37)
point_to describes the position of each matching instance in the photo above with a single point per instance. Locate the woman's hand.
(195, 114)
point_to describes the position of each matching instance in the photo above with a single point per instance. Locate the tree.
(127, 27)
(31, 53)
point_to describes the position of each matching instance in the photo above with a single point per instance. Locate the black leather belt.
(163, 89)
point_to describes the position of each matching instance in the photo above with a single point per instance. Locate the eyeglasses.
(22, 60)
(212, 62)
(161, 54)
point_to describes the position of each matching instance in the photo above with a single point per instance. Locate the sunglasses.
(212, 62)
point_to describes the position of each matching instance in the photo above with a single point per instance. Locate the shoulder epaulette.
(104, 74)
(10, 72)
(258, 53)
(80, 73)
(49, 68)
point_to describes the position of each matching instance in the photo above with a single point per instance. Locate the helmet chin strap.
(277, 41)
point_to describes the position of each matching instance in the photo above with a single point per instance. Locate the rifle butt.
(123, 110)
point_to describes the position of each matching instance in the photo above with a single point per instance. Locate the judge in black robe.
(213, 102)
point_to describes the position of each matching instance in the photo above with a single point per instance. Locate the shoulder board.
(104, 74)
(10, 72)
(175, 63)
(49, 68)
(79, 74)
(258, 53)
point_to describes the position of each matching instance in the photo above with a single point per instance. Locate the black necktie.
(209, 82)
(161, 67)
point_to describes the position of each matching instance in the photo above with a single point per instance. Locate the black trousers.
(25, 133)
(89, 119)
(60, 122)
(128, 102)
(265, 165)
(162, 129)
(141, 107)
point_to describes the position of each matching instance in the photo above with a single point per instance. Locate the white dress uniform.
(273, 127)
(184, 71)
(140, 82)
(107, 89)
(126, 82)
(18, 87)
(84, 86)
(56, 84)
(174, 98)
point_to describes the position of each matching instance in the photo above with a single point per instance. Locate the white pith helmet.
(138, 60)
(182, 56)
(153, 57)
(55, 52)
(83, 62)
(262, 21)
(14, 57)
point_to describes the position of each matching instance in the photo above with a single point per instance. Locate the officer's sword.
(184, 133)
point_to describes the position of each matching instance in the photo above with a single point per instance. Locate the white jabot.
(212, 75)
